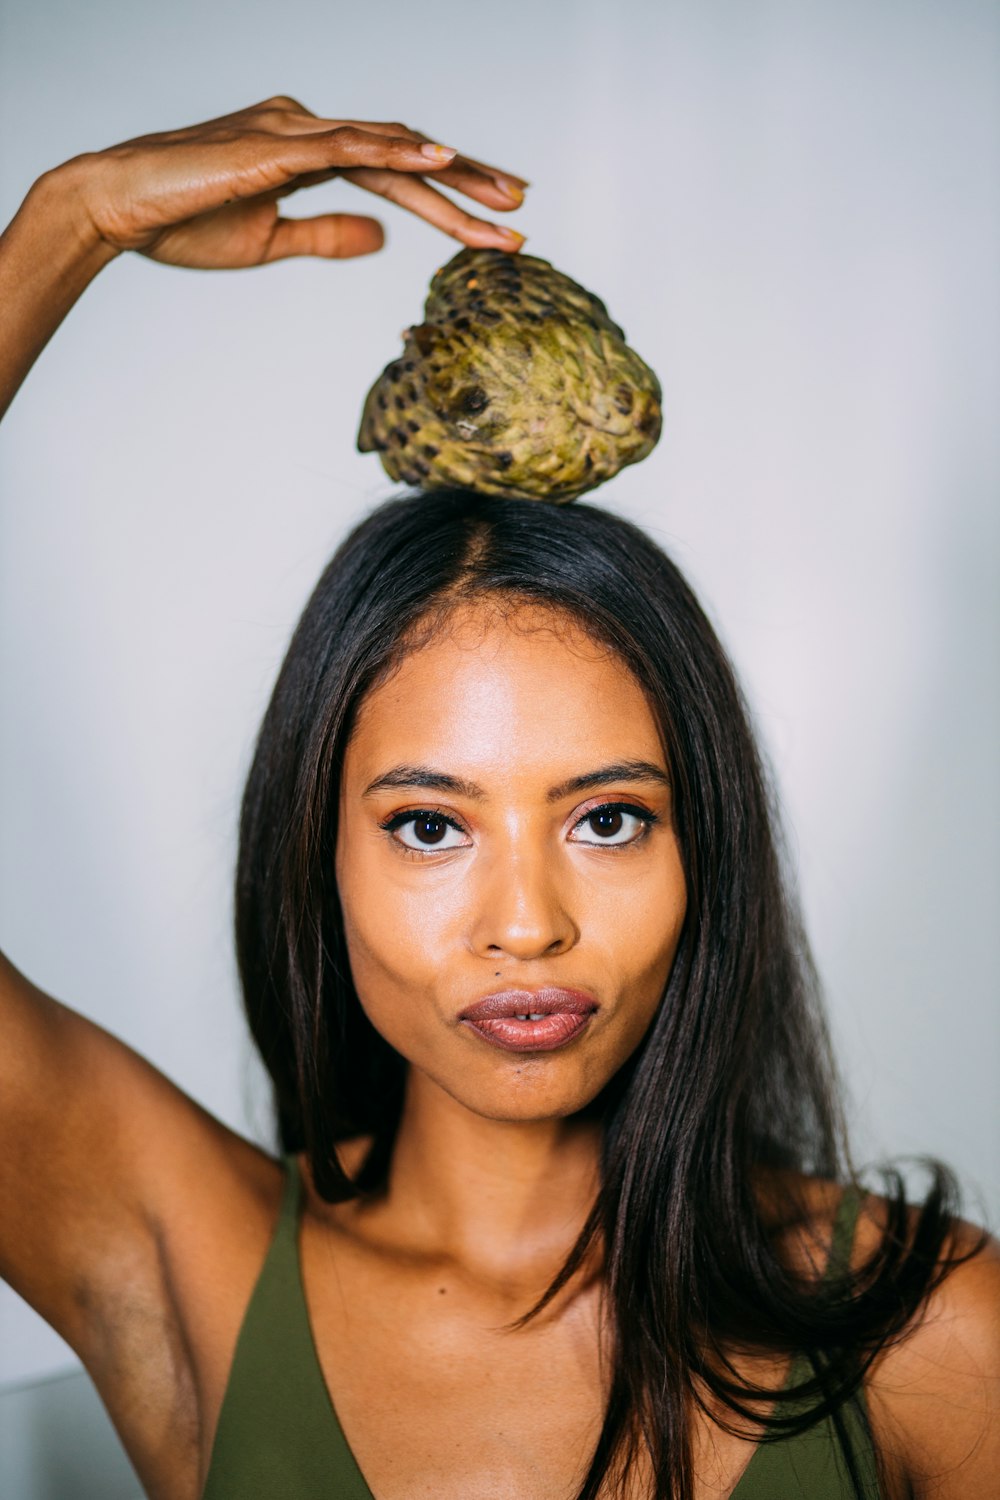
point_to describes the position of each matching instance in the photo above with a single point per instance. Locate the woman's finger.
(267, 162)
(420, 198)
(356, 145)
(397, 129)
(473, 169)
(499, 174)
(465, 172)
(332, 236)
(496, 191)
(474, 184)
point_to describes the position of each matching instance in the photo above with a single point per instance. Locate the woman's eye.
(613, 824)
(426, 830)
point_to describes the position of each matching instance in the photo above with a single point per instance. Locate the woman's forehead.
(492, 688)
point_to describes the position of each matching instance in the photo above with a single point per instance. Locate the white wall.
(794, 209)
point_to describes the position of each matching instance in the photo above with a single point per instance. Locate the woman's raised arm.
(111, 1180)
(209, 197)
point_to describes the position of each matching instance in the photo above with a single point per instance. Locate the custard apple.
(517, 383)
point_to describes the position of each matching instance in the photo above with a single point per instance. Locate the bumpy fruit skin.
(517, 383)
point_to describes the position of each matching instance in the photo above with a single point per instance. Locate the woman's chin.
(527, 1091)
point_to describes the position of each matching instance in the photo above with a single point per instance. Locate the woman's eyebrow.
(619, 770)
(427, 779)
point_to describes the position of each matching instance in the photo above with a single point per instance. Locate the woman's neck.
(503, 1198)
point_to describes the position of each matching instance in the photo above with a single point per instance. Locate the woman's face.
(506, 841)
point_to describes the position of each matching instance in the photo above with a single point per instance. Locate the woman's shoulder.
(933, 1391)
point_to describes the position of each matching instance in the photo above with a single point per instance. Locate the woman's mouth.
(530, 1020)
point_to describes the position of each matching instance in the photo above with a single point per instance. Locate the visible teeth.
(535, 1017)
(532, 1016)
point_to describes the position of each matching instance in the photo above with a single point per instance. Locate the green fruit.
(517, 383)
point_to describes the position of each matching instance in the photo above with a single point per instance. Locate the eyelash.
(399, 820)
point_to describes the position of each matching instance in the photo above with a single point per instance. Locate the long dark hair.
(733, 1083)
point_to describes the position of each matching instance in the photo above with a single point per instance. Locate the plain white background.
(794, 210)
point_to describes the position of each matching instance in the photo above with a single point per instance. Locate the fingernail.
(517, 240)
(510, 187)
(438, 153)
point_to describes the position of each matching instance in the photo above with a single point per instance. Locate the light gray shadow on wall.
(57, 1443)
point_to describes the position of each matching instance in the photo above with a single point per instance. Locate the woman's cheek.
(399, 926)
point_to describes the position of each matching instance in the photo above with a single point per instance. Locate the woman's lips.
(543, 1035)
(530, 1020)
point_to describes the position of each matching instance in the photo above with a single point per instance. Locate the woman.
(562, 1209)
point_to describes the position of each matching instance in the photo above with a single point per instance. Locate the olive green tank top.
(279, 1437)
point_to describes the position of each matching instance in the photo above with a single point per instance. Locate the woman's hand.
(209, 196)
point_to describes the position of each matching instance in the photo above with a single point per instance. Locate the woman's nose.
(521, 908)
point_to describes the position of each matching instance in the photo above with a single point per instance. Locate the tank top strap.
(278, 1433)
(855, 1425)
(816, 1464)
(285, 1235)
(845, 1224)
